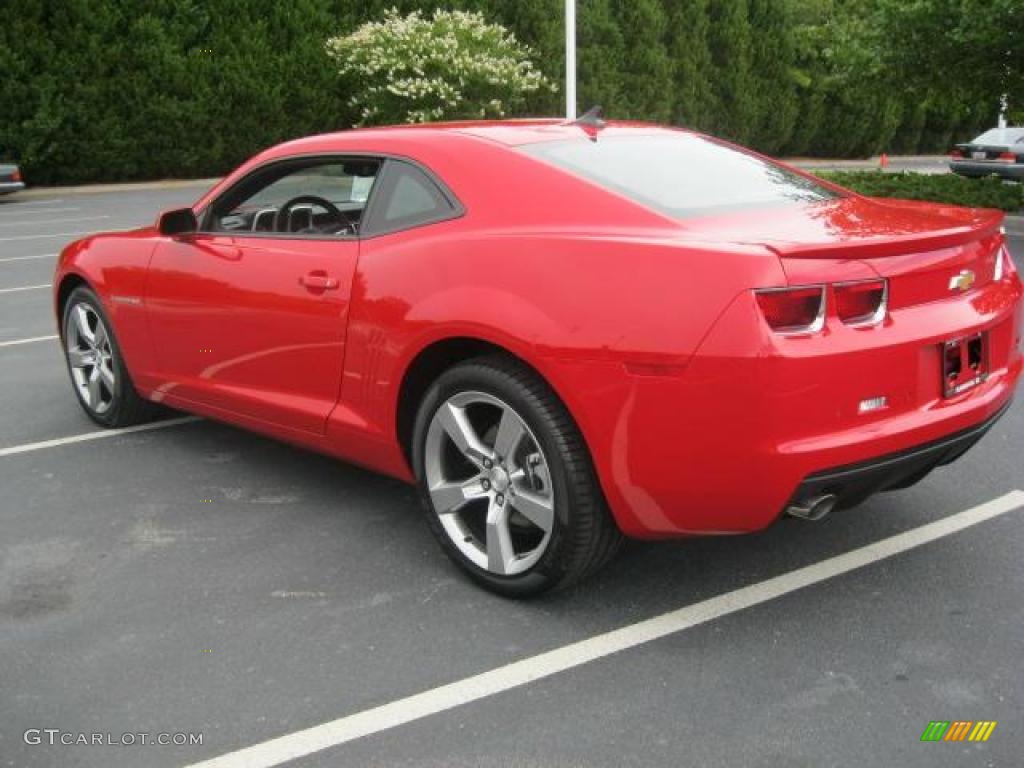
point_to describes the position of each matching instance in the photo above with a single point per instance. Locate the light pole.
(570, 59)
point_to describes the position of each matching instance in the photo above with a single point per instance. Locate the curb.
(929, 163)
(97, 189)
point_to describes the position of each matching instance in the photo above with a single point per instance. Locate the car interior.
(319, 198)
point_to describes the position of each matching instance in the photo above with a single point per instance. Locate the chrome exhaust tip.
(815, 508)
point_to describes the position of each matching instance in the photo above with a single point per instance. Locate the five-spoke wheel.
(98, 374)
(507, 480)
(489, 482)
(90, 358)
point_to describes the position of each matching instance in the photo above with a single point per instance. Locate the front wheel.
(98, 373)
(509, 487)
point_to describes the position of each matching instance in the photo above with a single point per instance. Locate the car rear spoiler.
(987, 225)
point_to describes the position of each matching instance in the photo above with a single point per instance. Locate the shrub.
(122, 89)
(939, 188)
(140, 89)
(453, 64)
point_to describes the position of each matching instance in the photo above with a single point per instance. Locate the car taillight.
(862, 302)
(792, 311)
(956, 153)
(1008, 157)
(16, 176)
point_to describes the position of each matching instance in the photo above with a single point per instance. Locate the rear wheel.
(507, 481)
(98, 374)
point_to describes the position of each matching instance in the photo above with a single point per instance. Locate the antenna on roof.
(591, 121)
(593, 117)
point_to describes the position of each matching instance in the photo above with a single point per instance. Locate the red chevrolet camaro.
(562, 332)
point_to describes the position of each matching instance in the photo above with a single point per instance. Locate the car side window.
(408, 197)
(307, 197)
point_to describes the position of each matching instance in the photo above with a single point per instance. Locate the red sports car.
(563, 332)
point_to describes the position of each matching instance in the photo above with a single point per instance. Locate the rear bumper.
(6, 187)
(723, 445)
(981, 168)
(854, 483)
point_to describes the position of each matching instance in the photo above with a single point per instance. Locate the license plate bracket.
(964, 363)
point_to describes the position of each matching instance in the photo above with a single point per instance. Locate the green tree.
(848, 106)
(539, 23)
(963, 51)
(601, 57)
(123, 89)
(731, 54)
(773, 60)
(645, 93)
(130, 89)
(688, 30)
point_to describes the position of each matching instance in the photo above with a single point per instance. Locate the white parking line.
(33, 340)
(28, 258)
(388, 716)
(98, 435)
(70, 235)
(40, 210)
(30, 203)
(25, 288)
(61, 234)
(36, 223)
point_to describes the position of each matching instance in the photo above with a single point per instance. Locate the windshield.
(681, 174)
(1002, 137)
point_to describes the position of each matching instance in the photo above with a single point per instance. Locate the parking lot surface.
(198, 579)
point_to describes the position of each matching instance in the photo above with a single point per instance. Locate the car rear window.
(681, 175)
(1003, 137)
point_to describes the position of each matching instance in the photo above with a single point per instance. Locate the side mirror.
(181, 221)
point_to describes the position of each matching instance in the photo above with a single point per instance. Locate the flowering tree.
(453, 64)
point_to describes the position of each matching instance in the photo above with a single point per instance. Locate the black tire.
(125, 407)
(584, 535)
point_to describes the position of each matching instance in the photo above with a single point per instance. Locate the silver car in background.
(999, 151)
(10, 178)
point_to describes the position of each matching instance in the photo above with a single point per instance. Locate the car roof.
(507, 132)
(1006, 136)
(515, 133)
(438, 145)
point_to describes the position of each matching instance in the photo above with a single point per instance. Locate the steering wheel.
(284, 213)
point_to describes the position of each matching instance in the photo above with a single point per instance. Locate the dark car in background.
(10, 178)
(999, 151)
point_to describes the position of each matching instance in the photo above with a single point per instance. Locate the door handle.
(318, 281)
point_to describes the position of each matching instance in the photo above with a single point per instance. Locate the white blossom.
(418, 69)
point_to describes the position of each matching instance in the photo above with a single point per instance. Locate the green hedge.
(938, 188)
(95, 90)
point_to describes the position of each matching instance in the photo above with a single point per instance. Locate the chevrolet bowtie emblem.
(962, 281)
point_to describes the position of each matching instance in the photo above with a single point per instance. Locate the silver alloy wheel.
(489, 483)
(90, 357)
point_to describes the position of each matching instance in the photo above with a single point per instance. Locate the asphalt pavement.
(195, 579)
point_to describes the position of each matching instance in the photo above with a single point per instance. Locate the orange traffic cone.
(883, 161)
